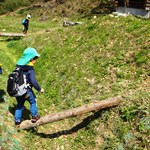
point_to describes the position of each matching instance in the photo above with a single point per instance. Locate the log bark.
(70, 23)
(72, 112)
(12, 34)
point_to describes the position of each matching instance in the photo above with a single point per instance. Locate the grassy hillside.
(7, 6)
(104, 57)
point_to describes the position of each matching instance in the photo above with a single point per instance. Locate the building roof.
(139, 4)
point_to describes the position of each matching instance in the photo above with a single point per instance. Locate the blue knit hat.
(28, 54)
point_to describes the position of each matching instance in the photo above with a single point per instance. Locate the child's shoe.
(35, 118)
(18, 123)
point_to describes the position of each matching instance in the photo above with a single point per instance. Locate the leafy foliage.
(10, 5)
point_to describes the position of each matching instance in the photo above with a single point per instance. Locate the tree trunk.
(72, 112)
(12, 34)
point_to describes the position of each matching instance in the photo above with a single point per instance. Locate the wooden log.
(72, 112)
(12, 34)
(70, 23)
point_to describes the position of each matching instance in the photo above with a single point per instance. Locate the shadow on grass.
(76, 128)
(25, 113)
(10, 39)
(2, 94)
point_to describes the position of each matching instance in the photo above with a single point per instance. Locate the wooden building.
(136, 7)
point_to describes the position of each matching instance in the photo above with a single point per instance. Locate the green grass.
(104, 57)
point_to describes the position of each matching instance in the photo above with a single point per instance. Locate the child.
(26, 62)
(26, 24)
(1, 69)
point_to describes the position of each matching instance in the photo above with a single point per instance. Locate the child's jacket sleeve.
(33, 81)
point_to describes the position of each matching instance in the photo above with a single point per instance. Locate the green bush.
(141, 57)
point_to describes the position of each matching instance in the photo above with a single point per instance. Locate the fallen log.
(12, 34)
(70, 23)
(72, 112)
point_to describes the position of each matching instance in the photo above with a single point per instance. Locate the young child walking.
(26, 62)
(1, 69)
(25, 23)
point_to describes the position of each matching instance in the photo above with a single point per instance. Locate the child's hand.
(42, 90)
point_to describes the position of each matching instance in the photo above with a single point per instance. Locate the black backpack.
(17, 83)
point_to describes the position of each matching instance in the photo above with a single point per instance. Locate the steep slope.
(104, 57)
(8, 133)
